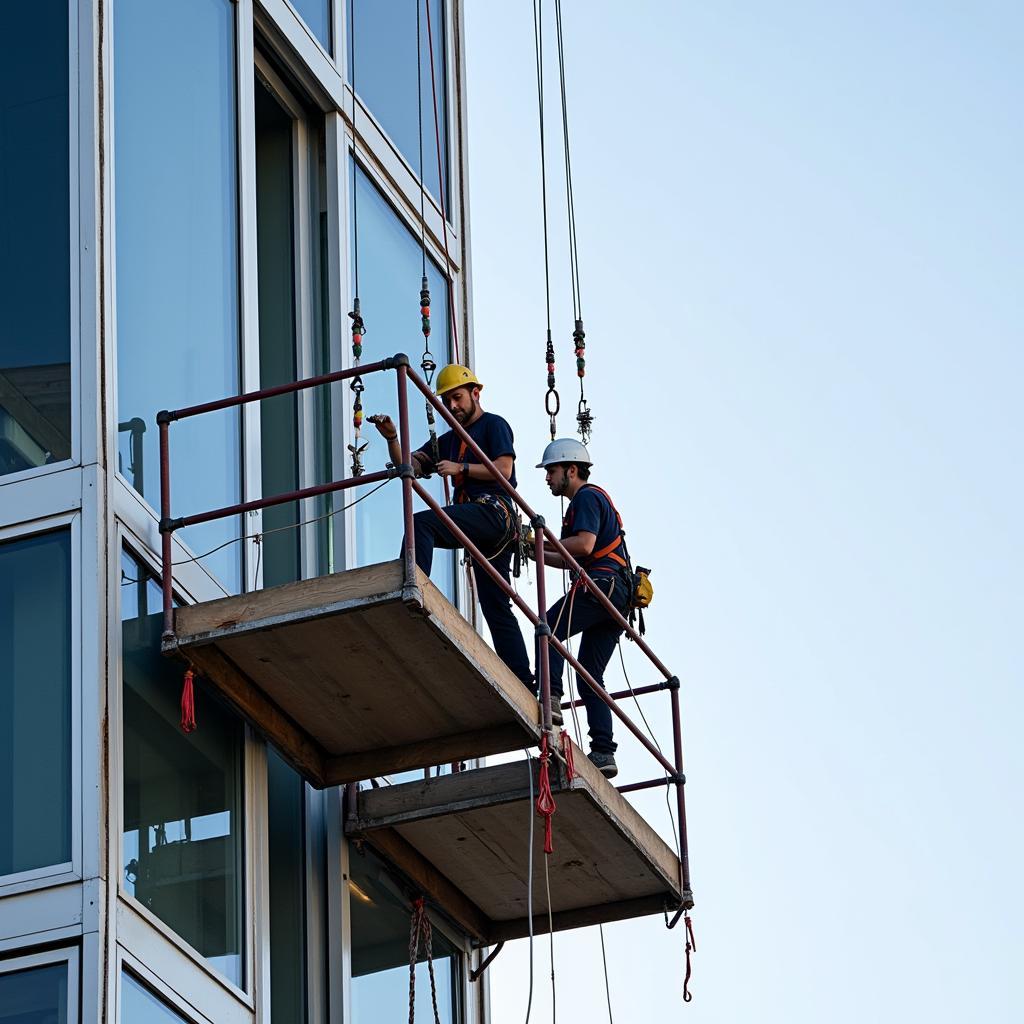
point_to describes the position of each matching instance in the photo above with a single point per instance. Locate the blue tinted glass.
(182, 842)
(317, 15)
(35, 996)
(177, 255)
(385, 65)
(390, 271)
(140, 1006)
(35, 702)
(35, 253)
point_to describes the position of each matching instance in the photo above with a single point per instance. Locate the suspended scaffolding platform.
(464, 840)
(357, 675)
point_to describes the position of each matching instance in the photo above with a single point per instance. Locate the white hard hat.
(564, 449)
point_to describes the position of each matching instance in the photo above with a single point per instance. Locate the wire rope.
(607, 988)
(529, 885)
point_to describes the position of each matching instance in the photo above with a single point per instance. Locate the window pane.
(276, 272)
(317, 15)
(177, 255)
(35, 702)
(286, 835)
(35, 247)
(385, 74)
(140, 1006)
(381, 918)
(390, 269)
(36, 996)
(182, 844)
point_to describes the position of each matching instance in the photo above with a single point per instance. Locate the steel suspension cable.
(441, 188)
(584, 417)
(552, 402)
(358, 326)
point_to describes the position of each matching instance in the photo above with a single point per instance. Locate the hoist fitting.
(358, 329)
(580, 344)
(425, 307)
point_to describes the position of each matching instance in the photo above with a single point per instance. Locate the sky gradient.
(801, 242)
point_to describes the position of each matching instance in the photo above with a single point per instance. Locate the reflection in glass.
(182, 842)
(279, 445)
(286, 835)
(35, 247)
(38, 995)
(317, 16)
(35, 702)
(381, 917)
(177, 255)
(140, 1006)
(385, 65)
(390, 269)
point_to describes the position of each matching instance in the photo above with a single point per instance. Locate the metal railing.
(543, 539)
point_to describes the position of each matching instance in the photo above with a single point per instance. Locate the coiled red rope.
(188, 703)
(545, 798)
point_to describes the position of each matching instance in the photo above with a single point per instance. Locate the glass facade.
(38, 995)
(35, 233)
(35, 702)
(176, 217)
(317, 16)
(381, 919)
(182, 843)
(140, 1006)
(385, 77)
(390, 270)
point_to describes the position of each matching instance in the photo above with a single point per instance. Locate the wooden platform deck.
(353, 678)
(464, 840)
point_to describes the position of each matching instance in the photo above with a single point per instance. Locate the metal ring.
(357, 385)
(547, 402)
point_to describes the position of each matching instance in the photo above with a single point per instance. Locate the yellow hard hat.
(455, 376)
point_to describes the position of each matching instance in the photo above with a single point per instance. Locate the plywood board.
(354, 676)
(474, 827)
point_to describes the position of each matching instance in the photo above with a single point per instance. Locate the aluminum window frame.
(69, 955)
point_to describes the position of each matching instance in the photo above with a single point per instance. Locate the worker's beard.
(462, 415)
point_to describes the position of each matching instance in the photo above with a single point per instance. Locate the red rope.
(545, 798)
(440, 189)
(691, 947)
(188, 703)
(570, 767)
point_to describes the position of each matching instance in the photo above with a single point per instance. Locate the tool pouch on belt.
(510, 519)
(640, 596)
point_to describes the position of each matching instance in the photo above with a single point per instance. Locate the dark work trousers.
(583, 614)
(485, 527)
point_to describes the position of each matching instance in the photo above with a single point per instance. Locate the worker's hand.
(385, 425)
(448, 468)
(421, 464)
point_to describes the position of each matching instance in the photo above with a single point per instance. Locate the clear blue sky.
(802, 243)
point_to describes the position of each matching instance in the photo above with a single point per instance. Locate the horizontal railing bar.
(281, 499)
(277, 389)
(637, 691)
(633, 787)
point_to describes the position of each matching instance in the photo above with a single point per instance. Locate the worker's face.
(462, 403)
(557, 478)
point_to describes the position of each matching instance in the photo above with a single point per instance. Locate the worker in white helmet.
(482, 509)
(592, 533)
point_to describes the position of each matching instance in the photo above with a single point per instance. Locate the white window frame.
(68, 955)
(70, 870)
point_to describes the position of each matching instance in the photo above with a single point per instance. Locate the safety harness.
(503, 506)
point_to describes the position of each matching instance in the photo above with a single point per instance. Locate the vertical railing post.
(543, 630)
(677, 737)
(166, 570)
(401, 363)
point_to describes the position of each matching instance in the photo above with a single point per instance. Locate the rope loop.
(545, 798)
(570, 767)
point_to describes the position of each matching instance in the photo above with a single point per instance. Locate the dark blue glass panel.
(36, 996)
(35, 702)
(385, 77)
(35, 244)
(390, 271)
(176, 202)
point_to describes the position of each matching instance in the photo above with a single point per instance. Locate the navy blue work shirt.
(591, 512)
(494, 436)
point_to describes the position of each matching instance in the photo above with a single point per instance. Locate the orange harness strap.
(609, 550)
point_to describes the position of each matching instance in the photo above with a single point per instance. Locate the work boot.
(556, 710)
(604, 763)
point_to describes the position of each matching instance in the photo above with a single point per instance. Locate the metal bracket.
(475, 975)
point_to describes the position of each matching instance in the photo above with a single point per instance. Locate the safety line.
(607, 989)
(529, 885)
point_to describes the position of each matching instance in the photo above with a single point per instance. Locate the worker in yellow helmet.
(481, 509)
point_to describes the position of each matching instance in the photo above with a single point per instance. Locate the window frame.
(81, 267)
(68, 955)
(69, 870)
(140, 933)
